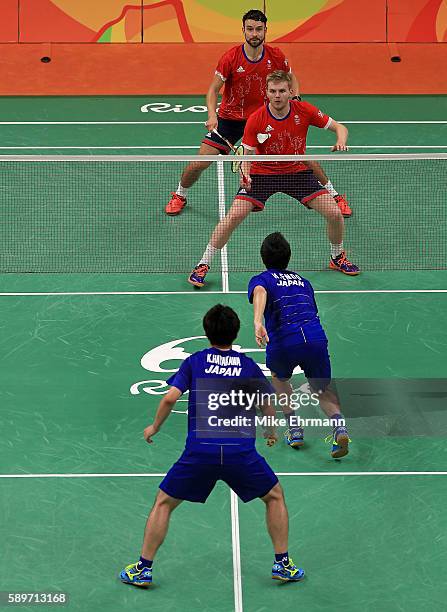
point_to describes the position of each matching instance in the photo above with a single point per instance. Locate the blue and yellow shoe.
(287, 573)
(197, 276)
(136, 575)
(340, 442)
(294, 437)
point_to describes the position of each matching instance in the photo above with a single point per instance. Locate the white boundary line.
(222, 212)
(162, 475)
(202, 123)
(322, 291)
(235, 543)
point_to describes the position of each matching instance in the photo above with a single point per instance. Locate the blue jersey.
(206, 374)
(291, 313)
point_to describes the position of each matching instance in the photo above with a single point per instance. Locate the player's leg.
(185, 481)
(252, 479)
(294, 435)
(190, 175)
(211, 145)
(239, 210)
(325, 205)
(341, 200)
(277, 520)
(140, 573)
(157, 523)
(316, 365)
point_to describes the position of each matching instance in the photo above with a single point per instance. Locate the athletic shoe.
(343, 205)
(287, 573)
(175, 205)
(342, 264)
(197, 276)
(133, 574)
(294, 437)
(340, 442)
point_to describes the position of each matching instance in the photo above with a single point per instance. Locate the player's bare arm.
(341, 133)
(245, 170)
(294, 86)
(259, 302)
(211, 102)
(163, 411)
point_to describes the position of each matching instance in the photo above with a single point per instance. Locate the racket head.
(236, 165)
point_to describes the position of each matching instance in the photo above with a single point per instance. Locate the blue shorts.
(194, 481)
(312, 357)
(231, 129)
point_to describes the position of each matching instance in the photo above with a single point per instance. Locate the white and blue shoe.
(287, 573)
(136, 575)
(294, 437)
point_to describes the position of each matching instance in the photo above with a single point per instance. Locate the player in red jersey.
(243, 69)
(280, 128)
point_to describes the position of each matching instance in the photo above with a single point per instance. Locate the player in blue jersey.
(293, 336)
(211, 454)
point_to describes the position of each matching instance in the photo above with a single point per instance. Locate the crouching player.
(293, 336)
(210, 456)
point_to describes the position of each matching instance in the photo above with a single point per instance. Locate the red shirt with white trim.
(287, 136)
(244, 89)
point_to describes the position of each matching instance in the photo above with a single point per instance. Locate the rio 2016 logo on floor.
(164, 361)
(165, 107)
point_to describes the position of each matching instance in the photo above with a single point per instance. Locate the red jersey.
(287, 136)
(244, 89)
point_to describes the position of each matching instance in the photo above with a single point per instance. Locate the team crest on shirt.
(262, 137)
(269, 63)
(297, 120)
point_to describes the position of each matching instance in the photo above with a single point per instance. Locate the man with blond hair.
(280, 128)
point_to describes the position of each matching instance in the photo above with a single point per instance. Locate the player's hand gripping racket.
(236, 166)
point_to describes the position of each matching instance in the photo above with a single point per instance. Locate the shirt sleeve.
(223, 68)
(255, 282)
(183, 378)
(317, 117)
(249, 139)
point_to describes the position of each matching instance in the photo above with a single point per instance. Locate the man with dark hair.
(210, 455)
(243, 70)
(280, 128)
(293, 336)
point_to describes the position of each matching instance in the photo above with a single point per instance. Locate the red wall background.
(172, 46)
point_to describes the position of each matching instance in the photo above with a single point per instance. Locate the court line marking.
(162, 475)
(222, 213)
(202, 123)
(177, 147)
(235, 544)
(321, 291)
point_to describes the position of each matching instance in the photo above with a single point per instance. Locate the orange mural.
(9, 31)
(417, 21)
(189, 21)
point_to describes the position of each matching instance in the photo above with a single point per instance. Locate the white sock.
(207, 257)
(336, 249)
(329, 186)
(181, 191)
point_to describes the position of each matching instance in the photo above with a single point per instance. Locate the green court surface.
(83, 357)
